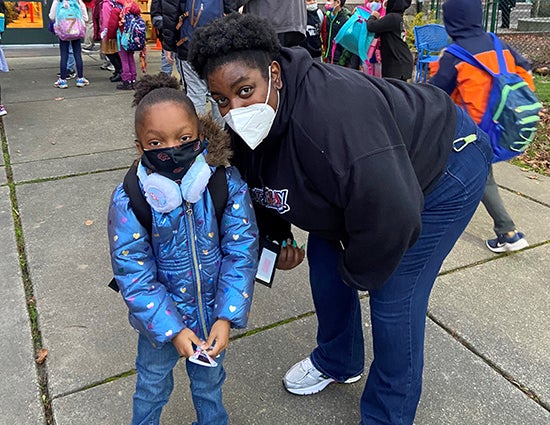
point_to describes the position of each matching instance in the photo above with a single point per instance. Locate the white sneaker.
(304, 379)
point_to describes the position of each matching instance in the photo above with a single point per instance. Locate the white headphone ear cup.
(163, 194)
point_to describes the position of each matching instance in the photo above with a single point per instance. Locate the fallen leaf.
(41, 356)
(59, 98)
(89, 222)
(533, 177)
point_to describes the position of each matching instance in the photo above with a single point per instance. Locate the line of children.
(191, 279)
(469, 87)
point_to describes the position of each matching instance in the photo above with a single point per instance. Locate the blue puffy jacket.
(185, 274)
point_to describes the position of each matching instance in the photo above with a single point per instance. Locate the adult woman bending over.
(383, 175)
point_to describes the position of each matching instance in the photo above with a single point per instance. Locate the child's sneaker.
(70, 75)
(125, 85)
(3, 111)
(511, 241)
(81, 82)
(61, 84)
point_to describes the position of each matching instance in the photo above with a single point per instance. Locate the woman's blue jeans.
(398, 309)
(155, 382)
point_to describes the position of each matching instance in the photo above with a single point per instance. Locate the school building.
(31, 22)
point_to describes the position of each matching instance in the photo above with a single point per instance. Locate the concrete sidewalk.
(488, 336)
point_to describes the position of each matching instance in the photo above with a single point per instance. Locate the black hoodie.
(349, 157)
(397, 61)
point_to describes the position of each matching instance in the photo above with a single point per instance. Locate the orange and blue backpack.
(512, 111)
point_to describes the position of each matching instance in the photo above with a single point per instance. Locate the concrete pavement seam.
(522, 387)
(32, 311)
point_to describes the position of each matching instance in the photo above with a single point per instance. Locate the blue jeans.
(165, 66)
(398, 309)
(71, 62)
(155, 382)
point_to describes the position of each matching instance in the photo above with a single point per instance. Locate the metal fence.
(524, 25)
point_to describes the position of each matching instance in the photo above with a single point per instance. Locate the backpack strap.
(464, 55)
(217, 186)
(139, 204)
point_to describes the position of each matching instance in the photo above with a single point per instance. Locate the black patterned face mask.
(172, 162)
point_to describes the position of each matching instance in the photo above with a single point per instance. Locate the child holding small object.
(190, 279)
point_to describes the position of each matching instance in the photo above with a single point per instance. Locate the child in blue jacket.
(191, 279)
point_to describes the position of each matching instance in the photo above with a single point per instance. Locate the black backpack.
(217, 186)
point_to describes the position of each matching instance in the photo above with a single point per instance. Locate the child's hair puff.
(159, 88)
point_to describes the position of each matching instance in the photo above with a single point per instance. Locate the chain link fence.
(524, 25)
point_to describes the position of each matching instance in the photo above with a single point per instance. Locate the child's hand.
(184, 340)
(219, 337)
(290, 256)
(376, 14)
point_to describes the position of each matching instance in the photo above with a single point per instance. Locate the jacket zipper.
(189, 213)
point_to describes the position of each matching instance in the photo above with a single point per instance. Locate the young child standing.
(116, 22)
(397, 60)
(189, 281)
(469, 87)
(65, 44)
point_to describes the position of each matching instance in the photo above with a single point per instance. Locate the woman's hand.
(218, 338)
(184, 342)
(290, 256)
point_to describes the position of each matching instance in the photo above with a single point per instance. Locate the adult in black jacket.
(384, 192)
(397, 61)
(176, 51)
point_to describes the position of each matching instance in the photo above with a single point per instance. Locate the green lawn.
(537, 156)
(542, 85)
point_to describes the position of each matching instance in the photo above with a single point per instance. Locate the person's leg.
(206, 390)
(89, 37)
(132, 67)
(195, 87)
(165, 66)
(71, 61)
(492, 202)
(398, 309)
(115, 60)
(155, 381)
(64, 52)
(125, 62)
(340, 351)
(77, 51)
(2, 107)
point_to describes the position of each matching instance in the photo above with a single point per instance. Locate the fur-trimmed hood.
(219, 143)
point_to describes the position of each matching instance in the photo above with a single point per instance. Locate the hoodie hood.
(463, 18)
(397, 6)
(219, 143)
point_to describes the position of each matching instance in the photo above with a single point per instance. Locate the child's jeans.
(64, 50)
(155, 382)
(129, 72)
